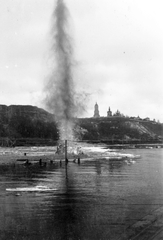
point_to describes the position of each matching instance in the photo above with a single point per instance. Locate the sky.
(118, 54)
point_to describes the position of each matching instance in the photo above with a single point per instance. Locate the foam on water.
(38, 188)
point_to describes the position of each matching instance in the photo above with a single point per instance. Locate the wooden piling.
(66, 159)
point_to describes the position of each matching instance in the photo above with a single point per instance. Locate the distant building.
(147, 119)
(109, 113)
(117, 114)
(96, 111)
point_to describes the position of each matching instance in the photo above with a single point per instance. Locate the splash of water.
(60, 87)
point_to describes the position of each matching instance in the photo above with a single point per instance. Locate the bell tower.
(109, 113)
(96, 111)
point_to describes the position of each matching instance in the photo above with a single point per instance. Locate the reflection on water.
(94, 200)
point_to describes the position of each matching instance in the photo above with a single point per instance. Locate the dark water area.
(96, 199)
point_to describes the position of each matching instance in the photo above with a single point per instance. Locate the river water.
(96, 199)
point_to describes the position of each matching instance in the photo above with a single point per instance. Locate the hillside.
(22, 125)
(30, 125)
(120, 129)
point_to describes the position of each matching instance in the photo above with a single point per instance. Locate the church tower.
(96, 111)
(109, 113)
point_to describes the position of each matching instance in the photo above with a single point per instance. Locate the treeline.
(120, 130)
(26, 127)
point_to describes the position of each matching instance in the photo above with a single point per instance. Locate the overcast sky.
(118, 48)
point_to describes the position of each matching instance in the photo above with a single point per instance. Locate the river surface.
(96, 199)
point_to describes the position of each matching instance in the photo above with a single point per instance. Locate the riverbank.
(76, 153)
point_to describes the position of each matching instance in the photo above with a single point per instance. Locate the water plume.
(60, 88)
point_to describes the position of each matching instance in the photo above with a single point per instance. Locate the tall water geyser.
(60, 88)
